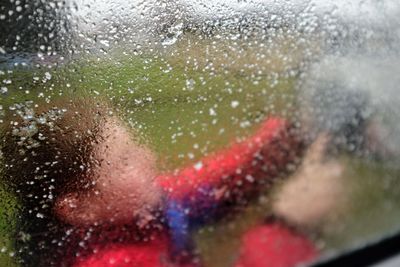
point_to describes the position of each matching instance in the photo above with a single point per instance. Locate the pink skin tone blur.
(124, 187)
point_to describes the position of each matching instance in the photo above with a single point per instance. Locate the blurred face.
(123, 189)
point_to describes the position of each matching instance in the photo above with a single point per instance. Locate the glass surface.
(197, 133)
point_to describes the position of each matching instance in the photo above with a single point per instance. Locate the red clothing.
(260, 157)
(201, 190)
(274, 245)
(145, 254)
(269, 245)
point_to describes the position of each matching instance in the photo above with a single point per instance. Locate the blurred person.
(92, 195)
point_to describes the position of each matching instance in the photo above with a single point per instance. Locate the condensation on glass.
(196, 133)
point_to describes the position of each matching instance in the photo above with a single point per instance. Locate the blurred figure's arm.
(241, 168)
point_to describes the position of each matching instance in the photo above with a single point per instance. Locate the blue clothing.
(185, 214)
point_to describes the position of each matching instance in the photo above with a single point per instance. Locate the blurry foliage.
(8, 220)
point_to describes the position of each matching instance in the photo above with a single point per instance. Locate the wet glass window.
(198, 133)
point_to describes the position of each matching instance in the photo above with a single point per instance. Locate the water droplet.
(212, 112)
(190, 84)
(234, 104)
(198, 166)
(47, 75)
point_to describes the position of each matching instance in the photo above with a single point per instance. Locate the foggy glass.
(197, 132)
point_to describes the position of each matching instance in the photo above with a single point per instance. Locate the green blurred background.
(193, 98)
